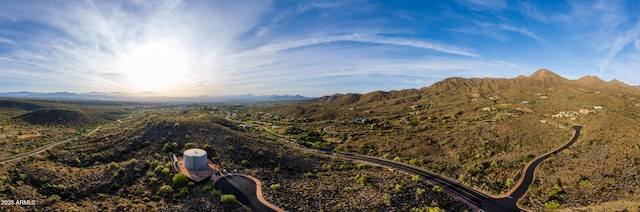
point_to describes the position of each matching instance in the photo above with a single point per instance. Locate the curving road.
(246, 191)
(45, 147)
(506, 202)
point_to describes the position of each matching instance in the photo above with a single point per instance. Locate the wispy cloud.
(493, 30)
(531, 10)
(492, 5)
(520, 30)
(363, 38)
(630, 36)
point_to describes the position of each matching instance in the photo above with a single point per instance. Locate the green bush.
(167, 189)
(180, 179)
(510, 182)
(386, 199)
(275, 186)
(552, 205)
(215, 193)
(437, 189)
(416, 178)
(347, 189)
(228, 199)
(166, 171)
(415, 162)
(399, 187)
(114, 165)
(360, 178)
(189, 145)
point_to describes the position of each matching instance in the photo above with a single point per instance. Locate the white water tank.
(195, 159)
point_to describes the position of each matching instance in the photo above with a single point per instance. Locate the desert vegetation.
(481, 132)
(126, 166)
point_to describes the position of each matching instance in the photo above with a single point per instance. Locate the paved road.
(244, 189)
(507, 202)
(45, 147)
(469, 194)
(484, 202)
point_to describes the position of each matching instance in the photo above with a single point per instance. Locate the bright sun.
(154, 66)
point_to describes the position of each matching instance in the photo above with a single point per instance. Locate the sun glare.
(154, 66)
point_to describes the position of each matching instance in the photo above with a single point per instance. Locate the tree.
(180, 179)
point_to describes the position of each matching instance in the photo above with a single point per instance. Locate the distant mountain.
(151, 97)
(540, 82)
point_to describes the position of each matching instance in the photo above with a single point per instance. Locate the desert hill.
(125, 166)
(481, 131)
(540, 80)
(56, 117)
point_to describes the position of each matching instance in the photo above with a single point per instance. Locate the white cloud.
(364, 38)
(618, 43)
(520, 30)
(531, 10)
(491, 5)
(492, 30)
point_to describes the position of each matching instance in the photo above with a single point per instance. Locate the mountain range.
(541, 81)
(151, 97)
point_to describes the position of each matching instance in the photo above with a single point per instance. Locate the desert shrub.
(552, 205)
(215, 193)
(360, 178)
(228, 199)
(167, 189)
(275, 186)
(180, 179)
(437, 189)
(386, 199)
(399, 187)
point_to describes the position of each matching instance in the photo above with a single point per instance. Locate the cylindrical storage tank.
(195, 159)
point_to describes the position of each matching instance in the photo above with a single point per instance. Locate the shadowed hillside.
(125, 166)
(56, 117)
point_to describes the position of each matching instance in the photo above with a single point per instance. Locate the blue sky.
(312, 48)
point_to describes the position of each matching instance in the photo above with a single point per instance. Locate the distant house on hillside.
(597, 107)
(361, 120)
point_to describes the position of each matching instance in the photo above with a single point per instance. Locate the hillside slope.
(481, 131)
(125, 167)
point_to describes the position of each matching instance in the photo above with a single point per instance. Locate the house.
(361, 120)
(597, 107)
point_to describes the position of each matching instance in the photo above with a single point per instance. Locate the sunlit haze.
(311, 48)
